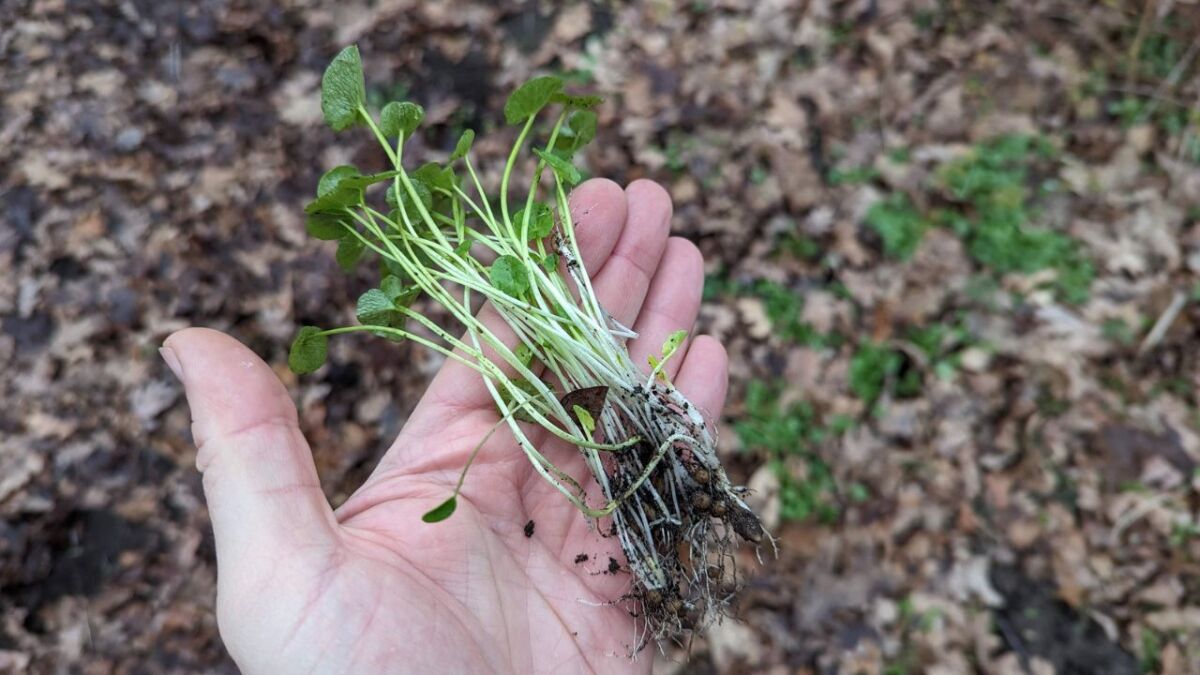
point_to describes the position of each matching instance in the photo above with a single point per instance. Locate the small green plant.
(942, 345)
(992, 184)
(676, 150)
(1183, 533)
(436, 234)
(1150, 653)
(852, 176)
(898, 225)
(991, 208)
(798, 246)
(1118, 331)
(786, 434)
(874, 367)
(783, 307)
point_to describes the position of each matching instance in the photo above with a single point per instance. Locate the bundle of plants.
(660, 488)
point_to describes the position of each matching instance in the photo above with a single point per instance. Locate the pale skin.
(369, 587)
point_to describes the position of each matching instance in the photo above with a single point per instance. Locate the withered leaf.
(590, 399)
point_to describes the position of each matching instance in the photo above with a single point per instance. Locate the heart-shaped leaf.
(375, 308)
(508, 274)
(400, 117)
(541, 221)
(530, 97)
(326, 226)
(309, 350)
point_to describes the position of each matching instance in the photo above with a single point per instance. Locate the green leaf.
(348, 177)
(564, 169)
(583, 128)
(464, 247)
(309, 349)
(541, 220)
(349, 252)
(550, 263)
(391, 268)
(436, 176)
(530, 97)
(375, 308)
(585, 419)
(334, 178)
(521, 413)
(442, 511)
(410, 208)
(397, 292)
(464, 145)
(400, 118)
(672, 343)
(339, 188)
(524, 354)
(582, 101)
(336, 201)
(325, 226)
(508, 274)
(343, 90)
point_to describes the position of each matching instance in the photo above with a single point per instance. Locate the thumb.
(259, 478)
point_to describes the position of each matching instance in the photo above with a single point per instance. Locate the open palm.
(372, 588)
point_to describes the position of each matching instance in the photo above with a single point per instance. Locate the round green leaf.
(349, 252)
(442, 511)
(393, 287)
(436, 176)
(508, 274)
(423, 194)
(308, 351)
(339, 188)
(541, 220)
(325, 226)
(400, 118)
(332, 179)
(375, 308)
(530, 97)
(343, 90)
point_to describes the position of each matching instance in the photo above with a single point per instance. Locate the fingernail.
(172, 360)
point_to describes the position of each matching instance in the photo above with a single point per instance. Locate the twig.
(1136, 48)
(1171, 80)
(1164, 323)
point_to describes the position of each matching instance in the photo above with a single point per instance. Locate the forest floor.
(953, 248)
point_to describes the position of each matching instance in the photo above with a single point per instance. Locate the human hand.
(370, 587)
